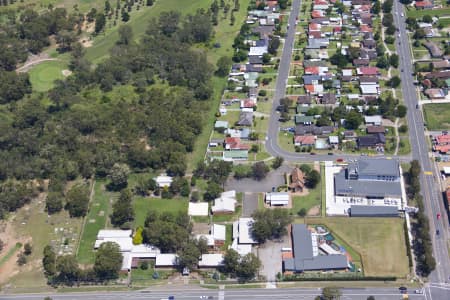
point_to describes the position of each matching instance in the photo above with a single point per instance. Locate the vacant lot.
(42, 76)
(380, 241)
(143, 205)
(437, 116)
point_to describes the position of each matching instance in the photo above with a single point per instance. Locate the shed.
(373, 211)
(163, 181)
(221, 124)
(277, 199)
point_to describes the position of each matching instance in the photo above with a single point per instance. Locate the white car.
(418, 291)
(402, 15)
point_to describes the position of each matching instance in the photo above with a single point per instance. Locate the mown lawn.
(97, 218)
(437, 116)
(308, 201)
(143, 205)
(420, 13)
(42, 76)
(380, 241)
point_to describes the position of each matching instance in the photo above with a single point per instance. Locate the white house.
(219, 232)
(277, 199)
(333, 139)
(225, 204)
(373, 120)
(166, 260)
(242, 230)
(198, 209)
(210, 260)
(163, 181)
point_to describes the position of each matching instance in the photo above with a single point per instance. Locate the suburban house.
(306, 255)
(242, 231)
(221, 124)
(225, 204)
(277, 198)
(373, 120)
(245, 118)
(371, 141)
(434, 49)
(304, 99)
(210, 260)
(297, 182)
(163, 181)
(304, 140)
(367, 71)
(198, 209)
(375, 129)
(218, 233)
(435, 93)
(234, 143)
(305, 120)
(423, 5)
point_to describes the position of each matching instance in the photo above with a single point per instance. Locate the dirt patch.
(314, 211)
(86, 43)
(7, 234)
(66, 73)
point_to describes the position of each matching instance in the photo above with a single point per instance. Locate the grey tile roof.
(373, 211)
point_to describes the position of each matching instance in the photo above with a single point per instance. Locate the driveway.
(250, 204)
(270, 256)
(247, 185)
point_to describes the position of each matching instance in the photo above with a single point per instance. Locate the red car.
(438, 216)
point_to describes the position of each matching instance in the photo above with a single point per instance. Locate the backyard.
(143, 205)
(437, 116)
(379, 241)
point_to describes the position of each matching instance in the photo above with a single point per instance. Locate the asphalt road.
(430, 190)
(228, 294)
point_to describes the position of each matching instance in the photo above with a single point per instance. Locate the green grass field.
(437, 116)
(42, 76)
(380, 241)
(308, 201)
(435, 12)
(143, 205)
(96, 219)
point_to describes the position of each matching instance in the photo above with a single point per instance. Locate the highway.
(228, 294)
(432, 195)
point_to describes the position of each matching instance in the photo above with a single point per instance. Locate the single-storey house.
(211, 260)
(371, 140)
(435, 93)
(373, 120)
(433, 48)
(198, 209)
(221, 124)
(297, 183)
(423, 5)
(225, 204)
(375, 129)
(242, 231)
(304, 140)
(305, 120)
(277, 198)
(304, 99)
(328, 98)
(163, 181)
(245, 119)
(235, 155)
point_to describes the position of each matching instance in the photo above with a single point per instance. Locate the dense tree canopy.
(270, 224)
(72, 131)
(108, 261)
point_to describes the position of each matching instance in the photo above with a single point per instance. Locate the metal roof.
(304, 259)
(373, 210)
(365, 188)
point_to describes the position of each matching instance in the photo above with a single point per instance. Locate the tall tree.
(108, 261)
(77, 200)
(100, 22)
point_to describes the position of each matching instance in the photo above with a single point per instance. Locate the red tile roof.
(423, 4)
(365, 28)
(442, 149)
(234, 143)
(443, 139)
(305, 139)
(312, 70)
(317, 14)
(368, 70)
(309, 88)
(314, 27)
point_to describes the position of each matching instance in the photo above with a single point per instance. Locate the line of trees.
(245, 268)
(422, 246)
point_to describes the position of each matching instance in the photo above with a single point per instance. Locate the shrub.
(144, 265)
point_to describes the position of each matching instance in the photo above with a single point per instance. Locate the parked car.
(437, 231)
(313, 153)
(438, 216)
